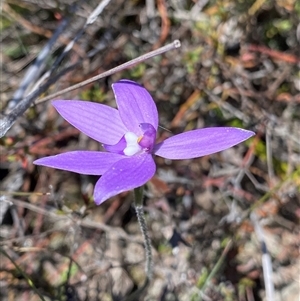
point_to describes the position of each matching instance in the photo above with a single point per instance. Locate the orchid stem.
(138, 194)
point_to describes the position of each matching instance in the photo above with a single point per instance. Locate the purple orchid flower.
(128, 135)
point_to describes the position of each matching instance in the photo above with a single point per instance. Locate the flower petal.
(97, 121)
(135, 105)
(124, 175)
(83, 162)
(201, 142)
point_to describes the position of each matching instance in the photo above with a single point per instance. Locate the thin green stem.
(216, 268)
(29, 281)
(138, 204)
(138, 193)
